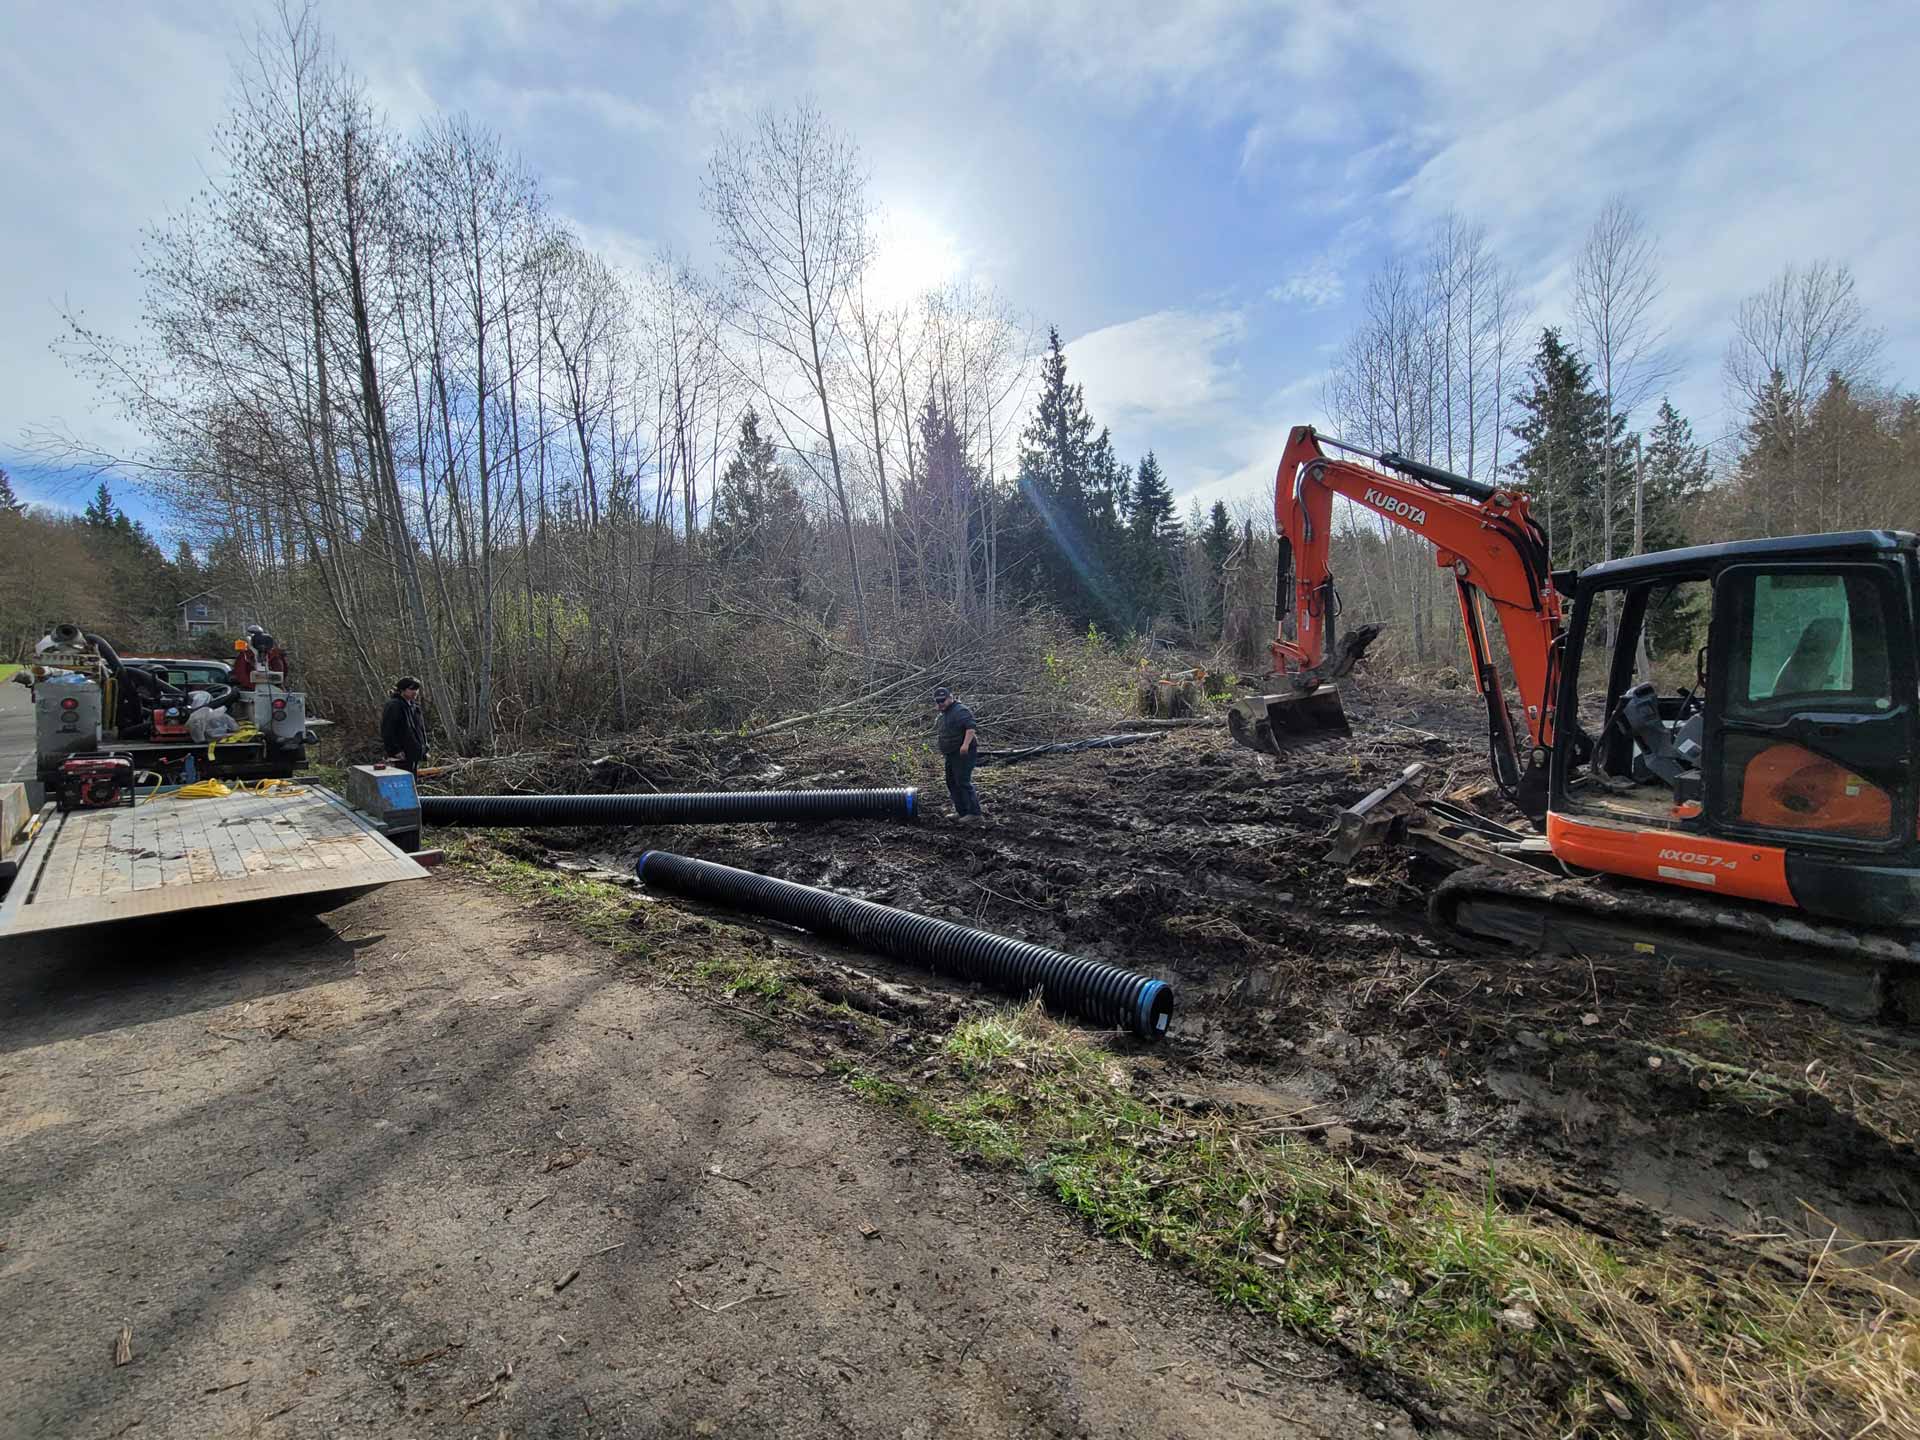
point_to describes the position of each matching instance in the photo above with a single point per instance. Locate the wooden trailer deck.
(168, 854)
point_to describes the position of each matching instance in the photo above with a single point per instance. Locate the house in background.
(203, 614)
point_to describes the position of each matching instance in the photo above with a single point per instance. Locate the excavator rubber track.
(1862, 974)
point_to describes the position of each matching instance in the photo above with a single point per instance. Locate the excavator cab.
(1741, 719)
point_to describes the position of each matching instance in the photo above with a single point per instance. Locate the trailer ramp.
(167, 854)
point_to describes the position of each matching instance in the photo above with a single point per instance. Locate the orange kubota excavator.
(1760, 819)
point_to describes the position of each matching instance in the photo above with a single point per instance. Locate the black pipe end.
(1155, 1010)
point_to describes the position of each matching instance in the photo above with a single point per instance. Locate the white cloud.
(1165, 370)
(1320, 280)
(1316, 285)
(568, 104)
(1041, 139)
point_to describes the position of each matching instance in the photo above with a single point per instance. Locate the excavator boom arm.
(1483, 535)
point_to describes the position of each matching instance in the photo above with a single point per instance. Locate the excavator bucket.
(1309, 714)
(1279, 724)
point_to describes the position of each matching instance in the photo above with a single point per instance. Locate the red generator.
(170, 723)
(95, 782)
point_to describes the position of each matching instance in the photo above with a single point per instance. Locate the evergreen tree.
(1052, 517)
(1153, 536)
(1216, 544)
(939, 498)
(1216, 540)
(1767, 473)
(757, 510)
(1673, 478)
(186, 570)
(100, 512)
(1057, 446)
(740, 502)
(1561, 430)
(10, 503)
(1107, 485)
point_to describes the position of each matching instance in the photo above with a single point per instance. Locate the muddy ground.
(1663, 1105)
(432, 1165)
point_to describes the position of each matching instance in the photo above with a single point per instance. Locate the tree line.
(403, 414)
(100, 568)
(400, 410)
(1579, 414)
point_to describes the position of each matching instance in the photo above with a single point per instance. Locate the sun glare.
(914, 254)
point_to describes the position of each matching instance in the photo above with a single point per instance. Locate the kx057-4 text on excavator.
(1759, 818)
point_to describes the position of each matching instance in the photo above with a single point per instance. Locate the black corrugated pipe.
(718, 808)
(1091, 989)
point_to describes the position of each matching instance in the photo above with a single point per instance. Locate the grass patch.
(741, 974)
(876, 1088)
(7, 671)
(1526, 1319)
(602, 912)
(676, 945)
(1711, 1033)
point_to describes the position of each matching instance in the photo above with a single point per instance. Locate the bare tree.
(874, 344)
(1616, 293)
(1806, 325)
(790, 200)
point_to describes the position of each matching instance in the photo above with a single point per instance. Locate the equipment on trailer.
(95, 782)
(93, 702)
(1685, 824)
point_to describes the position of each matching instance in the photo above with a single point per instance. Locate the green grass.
(1529, 1321)
(740, 974)
(7, 671)
(876, 1088)
(1713, 1034)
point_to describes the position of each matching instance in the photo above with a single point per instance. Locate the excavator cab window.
(1811, 726)
(1641, 703)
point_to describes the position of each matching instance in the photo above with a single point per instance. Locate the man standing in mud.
(959, 744)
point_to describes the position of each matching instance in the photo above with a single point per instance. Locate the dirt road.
(422, 1167)
(16, 734)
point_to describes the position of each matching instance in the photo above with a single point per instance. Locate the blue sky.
(1194, 193)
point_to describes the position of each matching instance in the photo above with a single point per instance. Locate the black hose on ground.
(691, 809)
(1091, 989)
(1068, 747)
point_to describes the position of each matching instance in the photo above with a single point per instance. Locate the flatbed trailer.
(170, 853)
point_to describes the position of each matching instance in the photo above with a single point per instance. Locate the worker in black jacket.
(403, 726)
(959, 744)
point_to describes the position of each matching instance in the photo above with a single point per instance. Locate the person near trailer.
(267, 654)
(959, 742)
(403, 726)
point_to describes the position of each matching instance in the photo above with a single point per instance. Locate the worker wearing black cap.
(959, 744)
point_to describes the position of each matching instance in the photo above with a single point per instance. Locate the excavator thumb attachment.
(1279, 724)
(1307, 715)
